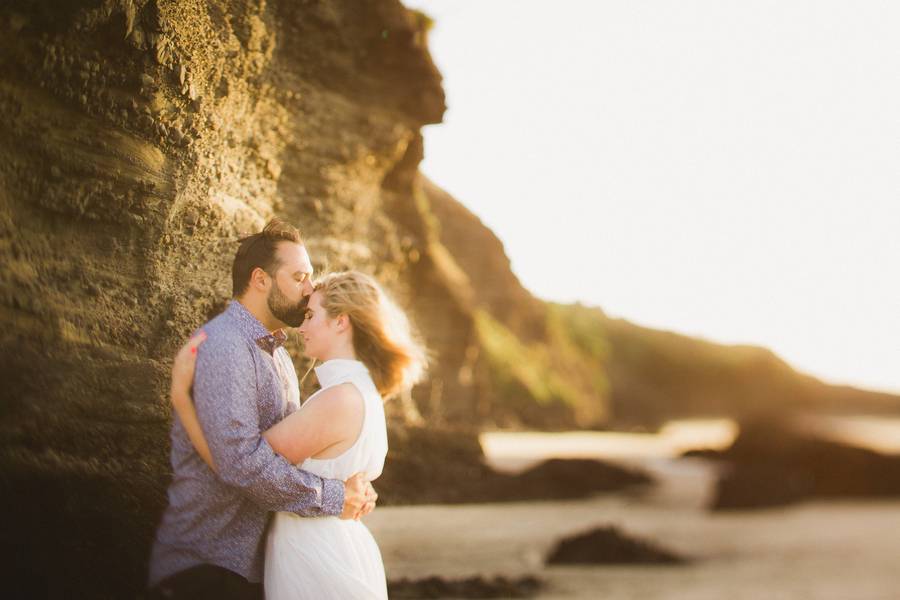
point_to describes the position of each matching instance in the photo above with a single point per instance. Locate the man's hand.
(359, 497)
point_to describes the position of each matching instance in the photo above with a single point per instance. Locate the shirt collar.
(253, 330)
(331, 372)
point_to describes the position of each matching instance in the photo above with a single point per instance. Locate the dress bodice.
(368, 452)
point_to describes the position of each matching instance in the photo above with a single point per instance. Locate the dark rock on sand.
(473, 587)
(428, 466)
(774, 463)
(702, 453)
(609, 545)
(566, 478)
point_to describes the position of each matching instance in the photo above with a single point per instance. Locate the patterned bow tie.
(270, 342)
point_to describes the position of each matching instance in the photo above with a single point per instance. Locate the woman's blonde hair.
(382, 337)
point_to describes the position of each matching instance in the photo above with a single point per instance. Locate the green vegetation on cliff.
(547, 365)
(521, 373)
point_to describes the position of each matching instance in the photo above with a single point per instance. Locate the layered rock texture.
(139, 140)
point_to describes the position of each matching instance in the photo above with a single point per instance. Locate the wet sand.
(846, 550)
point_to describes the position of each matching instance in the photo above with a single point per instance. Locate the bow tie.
(270, 342)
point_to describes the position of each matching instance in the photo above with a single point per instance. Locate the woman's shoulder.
(337, 401)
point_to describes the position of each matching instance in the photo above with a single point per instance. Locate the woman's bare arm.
(180, 396)
(333, 419)
(330, 421)
(187, 414)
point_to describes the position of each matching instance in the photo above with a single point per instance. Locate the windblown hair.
(259, 251)
(382, 336)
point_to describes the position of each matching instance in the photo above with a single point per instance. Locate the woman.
(367, 353)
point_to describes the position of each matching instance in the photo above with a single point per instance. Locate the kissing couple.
(266, 495)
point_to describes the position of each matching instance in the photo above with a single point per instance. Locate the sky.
(724, 169)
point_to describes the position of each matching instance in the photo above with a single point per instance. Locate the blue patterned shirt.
(219, 518)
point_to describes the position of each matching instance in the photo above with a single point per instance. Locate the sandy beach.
(838, 550)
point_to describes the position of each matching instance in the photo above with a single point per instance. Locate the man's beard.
(290, 314)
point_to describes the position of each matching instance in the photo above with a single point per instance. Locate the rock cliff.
(139, 139)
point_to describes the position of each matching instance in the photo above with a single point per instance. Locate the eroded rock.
(609, 545)
(470, 587)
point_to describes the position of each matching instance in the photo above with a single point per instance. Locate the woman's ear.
(343, 322)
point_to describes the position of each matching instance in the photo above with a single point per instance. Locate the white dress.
(326, 557)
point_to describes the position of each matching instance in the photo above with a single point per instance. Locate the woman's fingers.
(185, 361)
(366, 509)
(189, 350)
(369, 506)
(371, 494)
(195, 341)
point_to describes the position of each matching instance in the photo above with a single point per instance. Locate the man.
(210, 541)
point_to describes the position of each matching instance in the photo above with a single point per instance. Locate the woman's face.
(319, 331)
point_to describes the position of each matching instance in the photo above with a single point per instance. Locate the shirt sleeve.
(225, 396)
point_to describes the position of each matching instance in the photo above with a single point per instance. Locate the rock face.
(140, 139)
(774, 462)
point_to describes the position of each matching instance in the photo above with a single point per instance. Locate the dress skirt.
(322, 558)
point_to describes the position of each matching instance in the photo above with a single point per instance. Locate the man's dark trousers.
(206, 582)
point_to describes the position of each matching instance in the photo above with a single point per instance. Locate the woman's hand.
(183, 367)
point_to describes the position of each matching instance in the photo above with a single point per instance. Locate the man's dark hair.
(259, 250)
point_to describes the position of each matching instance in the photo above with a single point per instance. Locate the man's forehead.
(294, 257)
